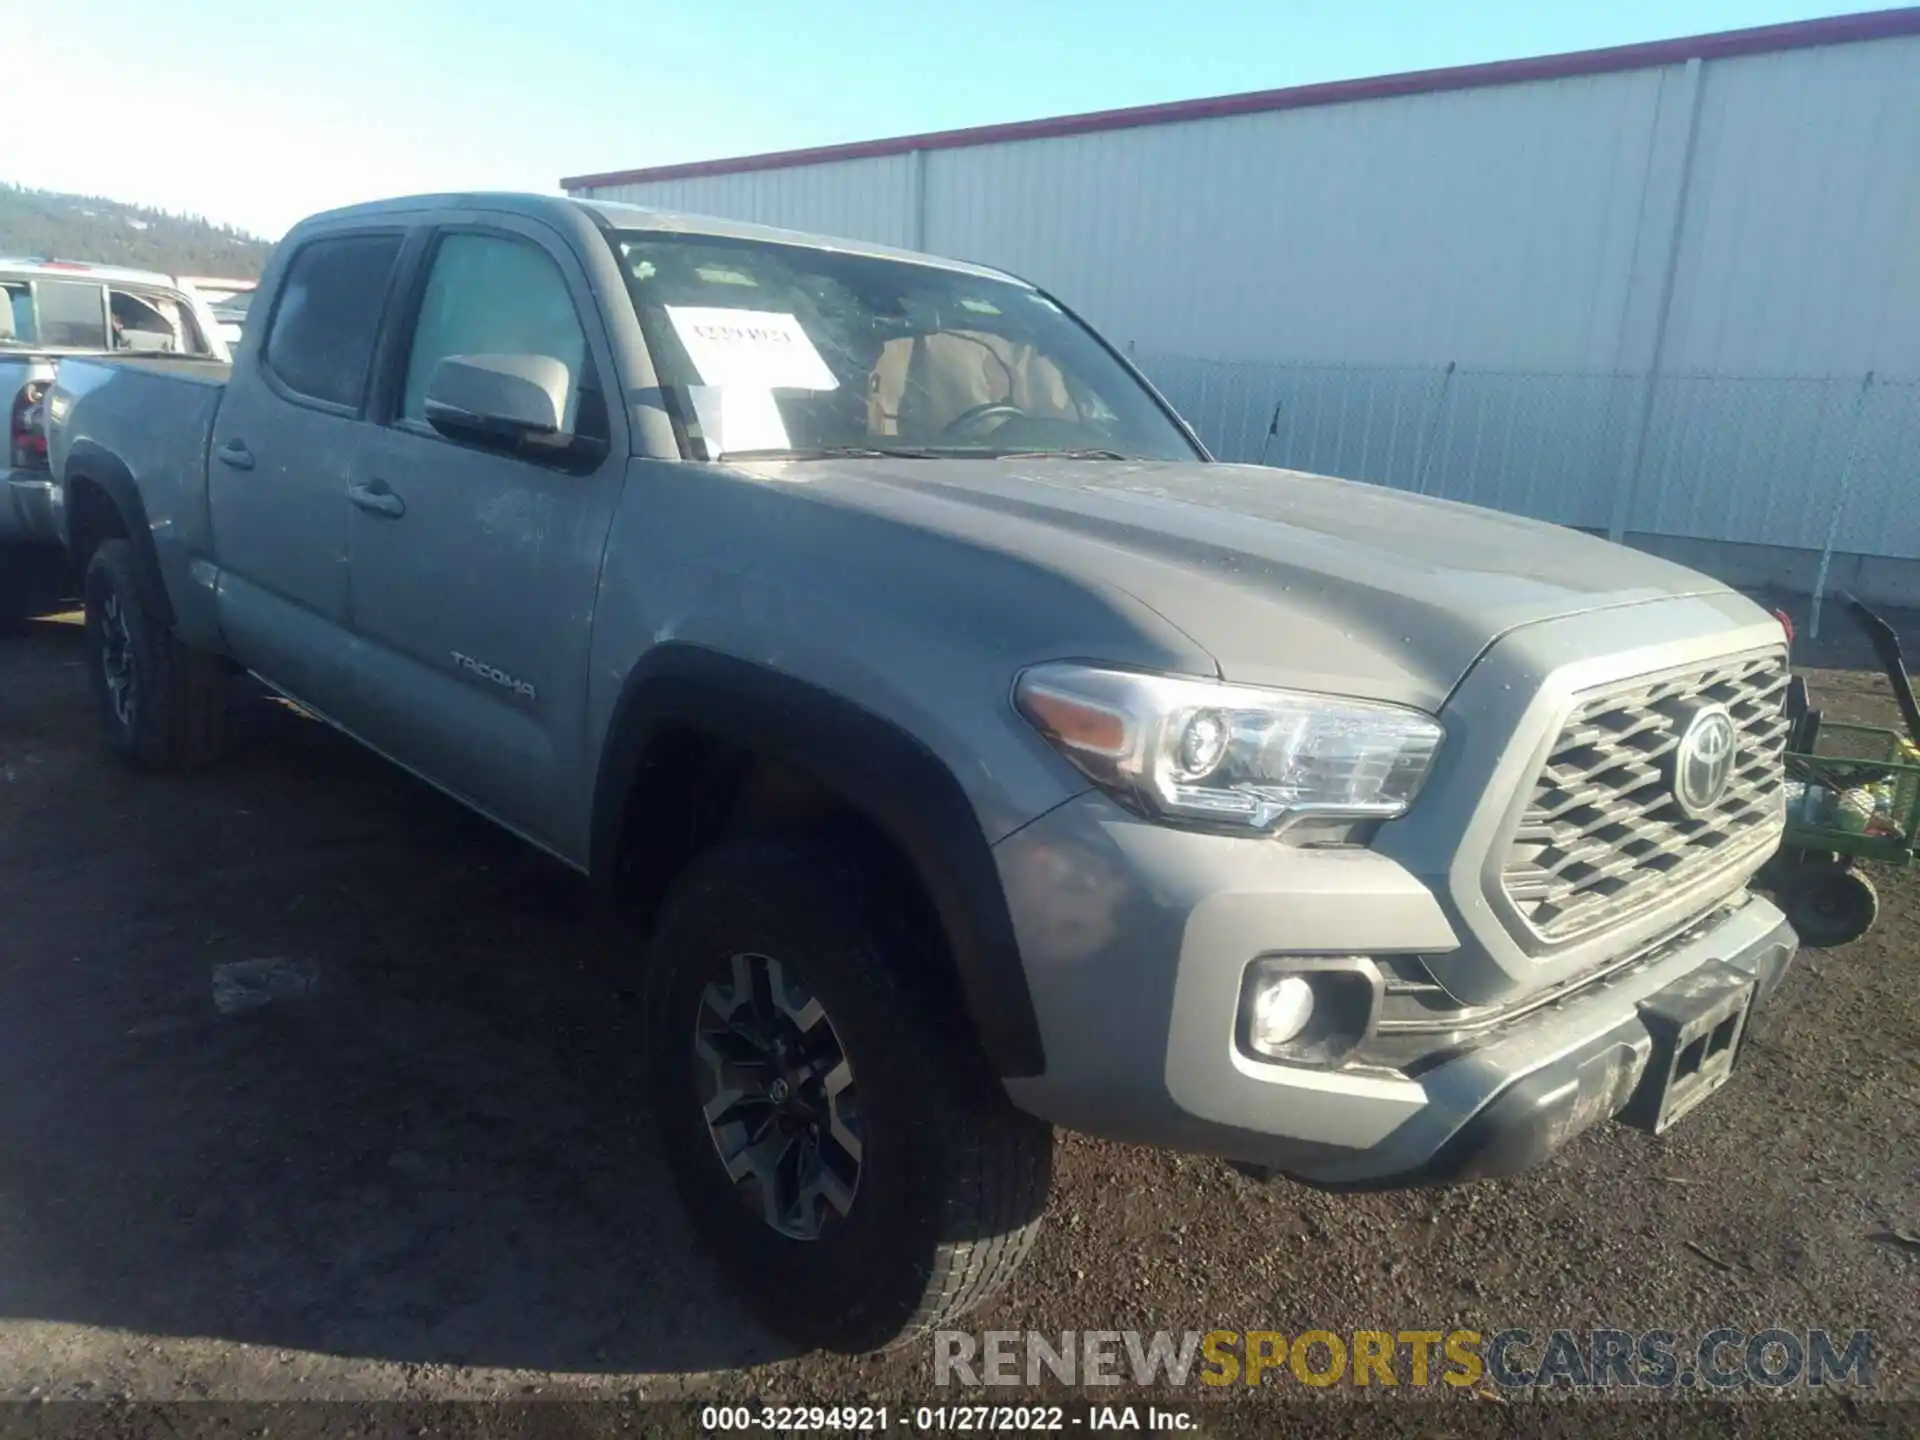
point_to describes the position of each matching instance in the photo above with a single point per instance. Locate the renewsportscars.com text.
(1723, 1358)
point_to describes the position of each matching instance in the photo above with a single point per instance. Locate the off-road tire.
(175, 711)
(952, 1178)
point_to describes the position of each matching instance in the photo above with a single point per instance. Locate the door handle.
(236, 454)
(377, 499)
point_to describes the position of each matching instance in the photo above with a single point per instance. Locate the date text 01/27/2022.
(976, 1419)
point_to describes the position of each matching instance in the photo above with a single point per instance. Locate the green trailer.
(1853, 794)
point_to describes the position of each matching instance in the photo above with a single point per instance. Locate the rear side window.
(328, 313)
(73, 314)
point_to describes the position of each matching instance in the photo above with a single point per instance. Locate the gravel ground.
(428, 1175)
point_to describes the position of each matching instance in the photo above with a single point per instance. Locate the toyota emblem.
(1703, 763)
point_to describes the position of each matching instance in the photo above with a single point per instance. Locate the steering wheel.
(969, 421)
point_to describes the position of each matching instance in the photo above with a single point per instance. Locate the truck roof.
(36, 265)
(615, 215)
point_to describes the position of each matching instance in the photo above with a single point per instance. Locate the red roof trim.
(1764, 39)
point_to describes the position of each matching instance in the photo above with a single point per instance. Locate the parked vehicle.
(978, 756)
(53, 308)
(228, 300)
(230, 315)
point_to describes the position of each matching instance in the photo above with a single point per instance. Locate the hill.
(107, 232)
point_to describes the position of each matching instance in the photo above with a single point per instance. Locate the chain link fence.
(1811, 462)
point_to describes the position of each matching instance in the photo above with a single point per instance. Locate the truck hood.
(1284, 578)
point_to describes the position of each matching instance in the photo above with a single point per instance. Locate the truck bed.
(195, 369)
(160, 405)
(145, 420)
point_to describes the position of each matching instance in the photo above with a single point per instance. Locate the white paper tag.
(738, 417)
(760, 349)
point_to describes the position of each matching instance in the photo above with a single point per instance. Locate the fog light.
(1282, 1006)
(1308, 1009)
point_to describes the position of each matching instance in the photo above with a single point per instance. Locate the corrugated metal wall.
(866, 199)
(1644, 301)
(1251, 237)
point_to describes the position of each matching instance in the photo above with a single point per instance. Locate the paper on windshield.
(759, 349)
(738, 417)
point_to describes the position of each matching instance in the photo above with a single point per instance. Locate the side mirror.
(498, 397)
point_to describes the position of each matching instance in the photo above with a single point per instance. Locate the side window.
(149, 321)
(487, 295)
(73, 314)
(328, 314)
(16, 314)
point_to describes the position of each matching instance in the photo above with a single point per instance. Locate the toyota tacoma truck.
(972, 754)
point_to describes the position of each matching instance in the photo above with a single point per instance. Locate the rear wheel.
(162, 704)
(838, 1142)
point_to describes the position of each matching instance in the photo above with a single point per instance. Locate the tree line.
(107, 232)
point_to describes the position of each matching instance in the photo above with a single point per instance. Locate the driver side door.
(473, 566)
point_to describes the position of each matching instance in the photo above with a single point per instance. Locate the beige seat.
(921, 385)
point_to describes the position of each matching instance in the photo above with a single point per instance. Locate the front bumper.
(1136, 938)
(27, 508)
(1609, 1075)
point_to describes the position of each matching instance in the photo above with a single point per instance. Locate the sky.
(256, 112)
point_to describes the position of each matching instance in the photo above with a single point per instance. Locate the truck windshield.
(791, 350)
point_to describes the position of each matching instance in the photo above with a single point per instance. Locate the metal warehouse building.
(1668, 291)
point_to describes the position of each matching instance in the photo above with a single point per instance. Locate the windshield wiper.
(842, 452)
(918, 452)
(1085, 454)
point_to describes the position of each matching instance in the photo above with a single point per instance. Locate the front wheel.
(836, 1139)
(162, 704)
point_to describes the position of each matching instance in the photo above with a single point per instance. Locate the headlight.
(1229, 755)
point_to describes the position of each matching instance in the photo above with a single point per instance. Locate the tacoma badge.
(499, 677)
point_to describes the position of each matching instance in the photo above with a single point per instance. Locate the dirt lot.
(430, 1175)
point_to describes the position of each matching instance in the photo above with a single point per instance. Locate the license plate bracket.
(1697, 1025)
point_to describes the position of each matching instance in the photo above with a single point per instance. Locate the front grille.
(1603, 838)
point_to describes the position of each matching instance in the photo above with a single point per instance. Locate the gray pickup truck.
(974, 755)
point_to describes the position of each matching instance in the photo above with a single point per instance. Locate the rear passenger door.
(283, 450)
(475, 565)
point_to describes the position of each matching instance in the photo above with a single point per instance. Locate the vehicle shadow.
(430, 1144)
(35, 581)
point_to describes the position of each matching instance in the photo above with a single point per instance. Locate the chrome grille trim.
(1414, 1047)
(1602, 837)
